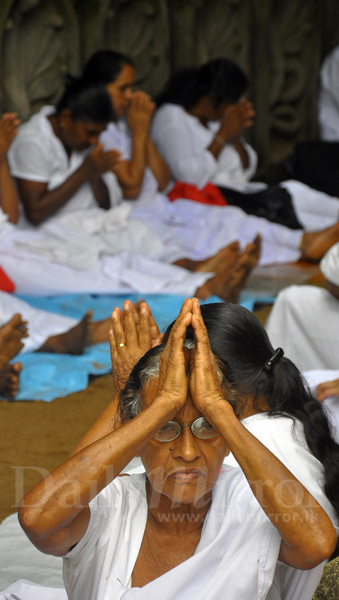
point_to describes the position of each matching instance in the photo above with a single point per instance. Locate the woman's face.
(121, 90)
(186, 469)
(79, 135)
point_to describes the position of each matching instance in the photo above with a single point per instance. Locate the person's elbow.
(317, 550)
(34, 215)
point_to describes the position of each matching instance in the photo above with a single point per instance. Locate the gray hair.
(143, 373)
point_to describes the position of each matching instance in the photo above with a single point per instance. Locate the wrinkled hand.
(173, 379)
(204, 383)
(236, 117)
(9, 124)
(329, 388)
(140, 112)
(98, 162)
(139, 333)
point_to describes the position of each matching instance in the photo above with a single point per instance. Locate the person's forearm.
(298, 517)
(100, 192)
(8, 194)
(55, 501)
(51, 201)
(157, 165)
(130, 173)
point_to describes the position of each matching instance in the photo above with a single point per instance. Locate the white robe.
(237, 551)
(328, 103)
(304, 321)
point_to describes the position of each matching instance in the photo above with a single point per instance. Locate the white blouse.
(182, 141)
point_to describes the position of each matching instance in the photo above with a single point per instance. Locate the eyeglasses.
(200, 428)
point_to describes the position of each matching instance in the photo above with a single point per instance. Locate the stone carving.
(218, 28)
(293, 75)
(39, 45)
(138, 28)
(279, 45)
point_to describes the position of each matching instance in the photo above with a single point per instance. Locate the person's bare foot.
(316, 243)
(9, 379)
(73, 341)
(227, 256)
(11, 334)
(228, 283)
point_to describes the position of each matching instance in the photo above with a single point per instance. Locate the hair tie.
(271, 362)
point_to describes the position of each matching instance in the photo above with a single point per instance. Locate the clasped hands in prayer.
(236, 117)
(182, 370)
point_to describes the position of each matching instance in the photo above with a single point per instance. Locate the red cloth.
(6, 284)
(210, 194)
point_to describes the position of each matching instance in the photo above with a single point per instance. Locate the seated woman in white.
(197, 129)
(189, 528)
(197, 126)
(57, 160)
(142, 172)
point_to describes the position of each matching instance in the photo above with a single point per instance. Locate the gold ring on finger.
(121, 345)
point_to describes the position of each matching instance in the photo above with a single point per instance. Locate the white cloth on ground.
(37, 154)
(199, 230)
(20, 560)
(304, 321)
(329, 265)
(285, 439)
(328, 102)
(237, 538)
(41, 324)
(183, 141)
(77, 240)
(122, 273)
(330, 404)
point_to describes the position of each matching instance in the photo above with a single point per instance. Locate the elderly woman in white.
(189, 527)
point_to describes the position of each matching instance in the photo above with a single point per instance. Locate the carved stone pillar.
(39, 44)
(138, 28)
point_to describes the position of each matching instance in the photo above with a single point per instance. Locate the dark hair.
(86, 100)
(105, 66)
(221, 77)
(242, 347)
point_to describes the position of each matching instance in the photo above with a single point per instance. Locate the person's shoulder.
(36, 128)
(170, 111)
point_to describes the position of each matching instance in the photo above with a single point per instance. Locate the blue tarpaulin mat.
(49, 376)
